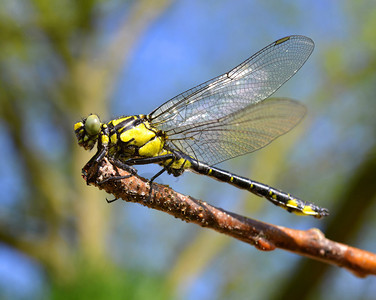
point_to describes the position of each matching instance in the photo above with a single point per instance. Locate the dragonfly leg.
(149, 160)
(123, 166)
(165, 168)
(127, 165)
(93, 162)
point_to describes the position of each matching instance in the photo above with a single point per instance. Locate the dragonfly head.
(87, 131)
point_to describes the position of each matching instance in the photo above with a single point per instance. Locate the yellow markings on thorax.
(78, 125)
(282, 40)
(138, 135)
(105, 139)
(113, 138)
(151, 148)
(181, 163)
(118, 121)
(177, 164)
(144, 137)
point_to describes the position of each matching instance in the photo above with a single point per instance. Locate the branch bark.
(266, 237)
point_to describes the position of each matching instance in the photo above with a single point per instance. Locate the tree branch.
(311, 243)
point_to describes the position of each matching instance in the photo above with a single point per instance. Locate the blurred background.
(62, 60)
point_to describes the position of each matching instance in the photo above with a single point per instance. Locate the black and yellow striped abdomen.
(275, 196)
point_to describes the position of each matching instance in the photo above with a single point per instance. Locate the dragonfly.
(222, 118)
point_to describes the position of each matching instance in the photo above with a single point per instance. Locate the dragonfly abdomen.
(275, 196)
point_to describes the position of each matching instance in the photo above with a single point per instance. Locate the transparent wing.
(216, 100)
(241, 132)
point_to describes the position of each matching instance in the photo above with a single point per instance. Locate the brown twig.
(311, 243)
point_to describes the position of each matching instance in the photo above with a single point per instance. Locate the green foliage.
(110, 284)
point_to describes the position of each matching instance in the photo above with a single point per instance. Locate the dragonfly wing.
(239, 133)
(249, 83)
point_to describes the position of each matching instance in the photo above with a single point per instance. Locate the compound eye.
(92, 125)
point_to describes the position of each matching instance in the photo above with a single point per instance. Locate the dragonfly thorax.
(133, 137)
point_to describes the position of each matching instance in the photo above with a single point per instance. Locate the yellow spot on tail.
(210, 171)
(282, 40)
(231, 179)
(309, 211)
(105, 139)
(78, 125)
(292, 203)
